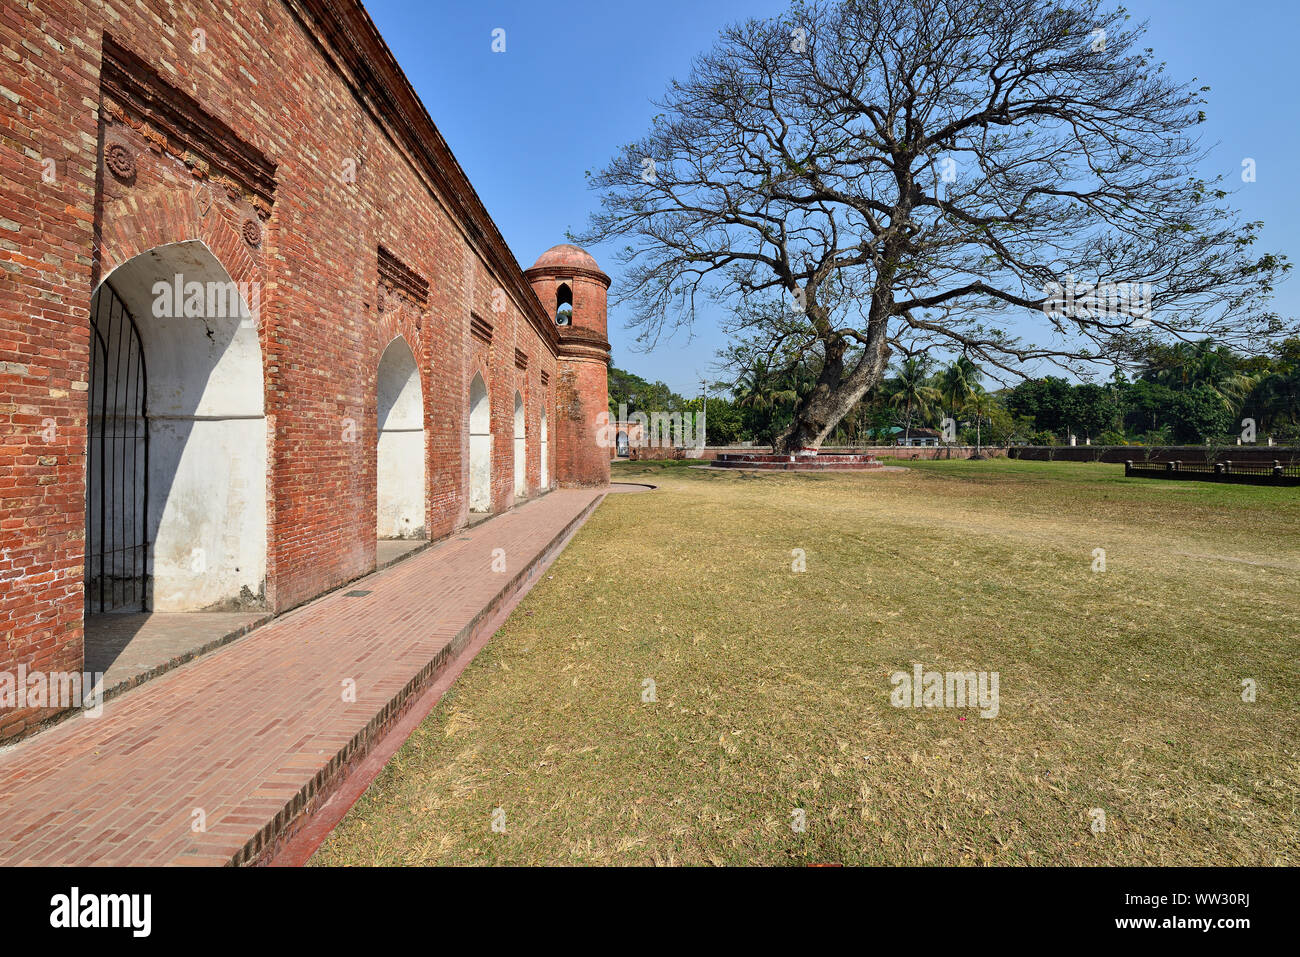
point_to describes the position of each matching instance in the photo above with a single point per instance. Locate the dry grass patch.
(1118, 690)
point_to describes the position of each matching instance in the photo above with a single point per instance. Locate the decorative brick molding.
(521, 359)
(402, 296)
(173, 123)
(400, 280)
(577, 342)
(144, 220)
(568, 274)
(480, 328)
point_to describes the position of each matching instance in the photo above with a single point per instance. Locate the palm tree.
(766, 391)
(1186, 365)
(1236, 390)
(759, 388)
(978, 403)
(957, 381)
(1276, 400)
(912, 390)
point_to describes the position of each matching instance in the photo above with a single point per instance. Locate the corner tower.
(575, 291)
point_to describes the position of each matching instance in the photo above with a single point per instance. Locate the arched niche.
(400, 454)
(189, 458)
(521, 449)
(480, 447)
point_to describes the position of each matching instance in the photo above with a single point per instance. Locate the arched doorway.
(400, 456)
(480, 447)
(544, 469)
(521, 449)
(176, 459)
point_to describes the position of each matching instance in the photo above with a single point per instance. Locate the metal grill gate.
(117, 471)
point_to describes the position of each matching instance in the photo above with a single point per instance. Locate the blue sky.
(577, 78)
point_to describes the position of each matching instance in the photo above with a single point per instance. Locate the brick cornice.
(567, 272)
(369, 67)
(583, 343)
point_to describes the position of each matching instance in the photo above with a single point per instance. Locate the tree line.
(1181, 394)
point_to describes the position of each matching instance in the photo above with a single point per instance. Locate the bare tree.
(908, 172)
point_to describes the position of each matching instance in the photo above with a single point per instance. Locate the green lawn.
(1119, 690)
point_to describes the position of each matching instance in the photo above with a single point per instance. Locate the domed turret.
(574, 291)
(566, 256)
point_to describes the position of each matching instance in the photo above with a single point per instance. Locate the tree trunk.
(836, 393)
(838, 390)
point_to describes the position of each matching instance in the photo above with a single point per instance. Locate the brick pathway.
(256, 732)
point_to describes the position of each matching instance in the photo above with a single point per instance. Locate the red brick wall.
(582, 395)
(45, 254)
(344, 183)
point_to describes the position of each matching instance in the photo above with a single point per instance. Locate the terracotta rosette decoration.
(120, 162)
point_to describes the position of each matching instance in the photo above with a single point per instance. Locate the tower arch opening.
(564, 305)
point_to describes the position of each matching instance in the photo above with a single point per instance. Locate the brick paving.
(128, 649)
(254, 734)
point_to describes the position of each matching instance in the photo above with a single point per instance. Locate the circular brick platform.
(631, 487)
(830, 462)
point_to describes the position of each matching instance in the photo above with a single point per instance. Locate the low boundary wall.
(1286, 455)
